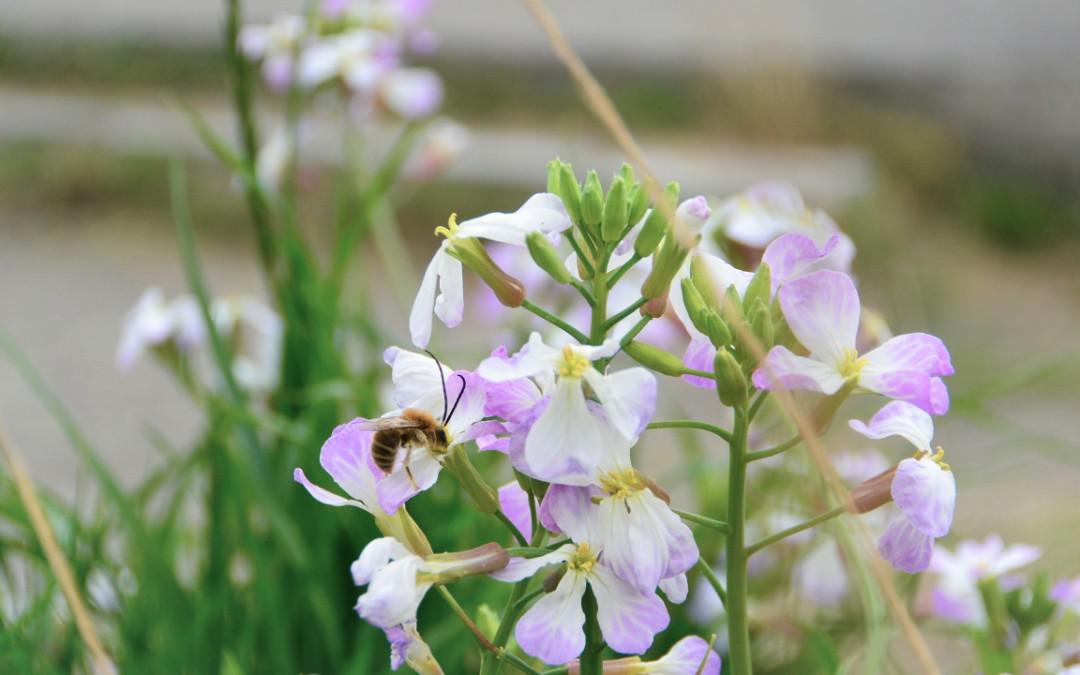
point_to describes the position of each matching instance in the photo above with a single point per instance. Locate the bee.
(413, 428)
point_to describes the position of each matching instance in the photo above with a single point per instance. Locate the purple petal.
(822, 310)
(685, 658)
(912, 351)
(565, 444)
(782, 369)
(569, 509)
(899, 418)
(628, 397)
(514, 502)
(346, 456)
(396, 488)
(795, 255)
(553, 629)
(323, 495)
(699, 355)
(412, 92)
(926, 494)
(675, 588)
(965, 608)
(929, 393)
(628, 617)
(906, 547)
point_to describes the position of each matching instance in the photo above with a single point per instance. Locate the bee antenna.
(458, 399)
(442, 376)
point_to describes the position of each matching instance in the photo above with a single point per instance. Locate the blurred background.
(944, 137)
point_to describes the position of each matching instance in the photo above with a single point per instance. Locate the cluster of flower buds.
(176, 333)
(568, 421)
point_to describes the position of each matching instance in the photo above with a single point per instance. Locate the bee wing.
(391, 424)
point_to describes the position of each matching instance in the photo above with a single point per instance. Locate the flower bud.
(442, 568)
(637, 203)
(484, 497)
(873, 492)
(666, 264)
(759, 288)
(704, 283)
(546, 257)
(554, 168)
(731, 307)
(762, 324)
(471, 253)
(570, 192)
(704, 318)
(615, 217)
(656, 225)
(592, 202)
(654, 358)
(730, 380)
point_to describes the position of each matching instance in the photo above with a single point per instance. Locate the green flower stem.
(556, 321)
(613, 321)
(622, 269)
(505, 520)
(700, 373)
(762, 454)
(692, 424)
(795, 529)
(598, 328)
(561, 670)
(758, 402)
(513, 609)
(526, 551)
(718, 525)
(736, 604)
(579, 253)
(584, 291)
(496, 653)
(713, 580)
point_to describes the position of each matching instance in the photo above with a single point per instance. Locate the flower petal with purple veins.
(565, 444)
(628, 397)
(912, 351)
(782, 369)
(675, 588)
(926, 494)
(523, 568)
(899, 418)
(906, 547)
(822, 310)
(795, 255)
(569, 509)
(553, 628)
(913, 386)
(628, 617)
(530, 360)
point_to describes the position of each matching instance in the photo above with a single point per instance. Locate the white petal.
(393, 594)
(782, 369)
(822, 310)
(420, 316)
(396, 488)
(553, 629)
(542, 212)
(675, 588)
(323, 495)
(523, 568)
(450, 302)
(416, 378)
(535, 357)
(375, 556)
(565, 443)
(628, 397)
(926, 494)
(628, 617)
(899, 418)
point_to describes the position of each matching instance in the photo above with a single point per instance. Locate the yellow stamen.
(623, 483)
(938, 457)
(583, 559)
(852, 364)
(574, 364)
(450, 229)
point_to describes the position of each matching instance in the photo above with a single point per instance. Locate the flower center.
(622, 483)
(573, 364)
(938, 457)
(852, 364)
(450, 229)
(583, 559)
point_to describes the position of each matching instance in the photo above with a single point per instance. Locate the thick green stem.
(736, 605)
(555, 321)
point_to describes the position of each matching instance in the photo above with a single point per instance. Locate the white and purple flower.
(566, 443)
(924, 487)
(154, 324)
(822, 310)
(689, 656)
(956, 597)
(442, 288)
(553, 629)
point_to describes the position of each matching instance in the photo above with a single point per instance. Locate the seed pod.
(654, 358)
(592, 202)
(546, 257)
(614, 220)
(730, 380)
